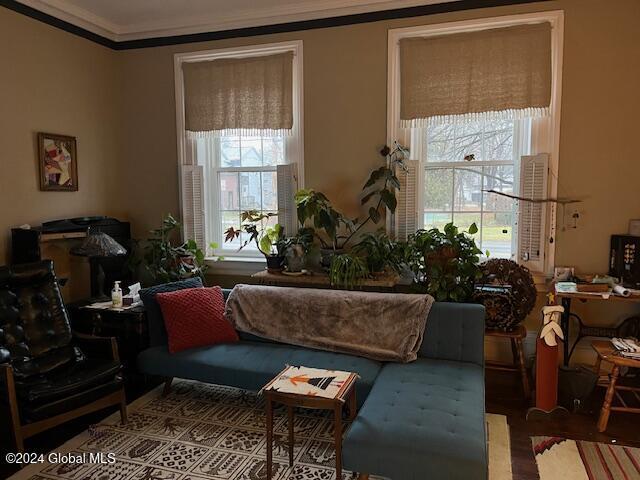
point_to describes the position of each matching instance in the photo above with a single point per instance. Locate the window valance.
(250, 95)
(500, 72)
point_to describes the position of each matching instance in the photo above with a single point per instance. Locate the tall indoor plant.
(165, 259)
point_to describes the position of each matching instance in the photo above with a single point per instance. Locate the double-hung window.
(239, 116)
(464, 162)
(478, 102)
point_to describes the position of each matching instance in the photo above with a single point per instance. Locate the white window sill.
(231, 265)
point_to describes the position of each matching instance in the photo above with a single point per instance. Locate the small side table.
(515, 337)
(608, 353)
(345, 393)
(128, 326)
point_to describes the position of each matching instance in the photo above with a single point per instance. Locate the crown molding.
(259, 16)
(76, 16)
(325, 13)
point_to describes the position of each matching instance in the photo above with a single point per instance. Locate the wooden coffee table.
(314, 389)
(608, 353)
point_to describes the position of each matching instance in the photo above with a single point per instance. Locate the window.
(228, 167)
(243, 171)
(511, 149)
(456, 190)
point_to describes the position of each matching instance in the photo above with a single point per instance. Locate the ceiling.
(122, 20)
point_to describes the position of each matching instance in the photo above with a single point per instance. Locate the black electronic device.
(624, 259)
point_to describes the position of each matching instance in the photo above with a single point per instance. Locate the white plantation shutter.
(287, 178)
(532, 215)
(192, 177)
(405, 221)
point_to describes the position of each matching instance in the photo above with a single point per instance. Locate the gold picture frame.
(57, 162)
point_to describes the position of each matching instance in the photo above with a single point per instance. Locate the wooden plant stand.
(517, 350)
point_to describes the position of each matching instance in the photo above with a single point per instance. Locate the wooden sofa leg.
(14, 414)
(363, 476)
(167, 387)
(123, 408)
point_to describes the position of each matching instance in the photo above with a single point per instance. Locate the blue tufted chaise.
(418, 421)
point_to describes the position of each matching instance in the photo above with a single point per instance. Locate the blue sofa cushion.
(422, 420)
(250, 365)
(157, 331)
(454, 331)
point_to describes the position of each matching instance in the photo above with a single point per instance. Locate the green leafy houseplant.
(446, 264)
(347, 271)
(270, 240)
(162, 261)
(379, 252)
(333, 229)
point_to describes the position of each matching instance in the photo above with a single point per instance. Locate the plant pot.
(327, 254)
(295, 258)
(275, 263)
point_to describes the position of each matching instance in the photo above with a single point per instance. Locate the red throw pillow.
(194, 317)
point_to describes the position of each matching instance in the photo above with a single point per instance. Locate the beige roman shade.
(252, 95)
(503, 72)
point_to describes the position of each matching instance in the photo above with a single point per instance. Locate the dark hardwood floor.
(503, 396)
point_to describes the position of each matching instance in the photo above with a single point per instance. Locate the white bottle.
(116, 295)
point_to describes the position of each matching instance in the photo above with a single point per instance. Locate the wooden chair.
(607, 352)
(49, 374)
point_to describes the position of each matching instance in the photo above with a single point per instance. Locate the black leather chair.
(50, 374)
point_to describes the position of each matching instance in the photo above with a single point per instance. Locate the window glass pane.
(436, 220)
(269, 196)
(440, 143)
(250, 191)
(498, 141)
(229, 219)
(467, 188)
(497, 230)
(251, 150)
(229, 194)
(230, 151)
(273, 151)
(501, 179)
(438, 189)
(468, 140)
(464, 220)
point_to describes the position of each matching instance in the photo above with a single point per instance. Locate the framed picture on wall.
(58, 162)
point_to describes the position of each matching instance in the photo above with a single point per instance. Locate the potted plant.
(378, 250)
(334, 230)
(164, 260)
(347, 271)
(446, 263)
(299, 247)
(270, 240)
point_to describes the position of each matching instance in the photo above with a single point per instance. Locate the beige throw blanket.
(380, 326)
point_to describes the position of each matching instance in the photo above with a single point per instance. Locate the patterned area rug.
(577, 460)
(203, 432)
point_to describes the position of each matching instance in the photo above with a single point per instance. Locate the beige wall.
(55, 82)
(345, 119)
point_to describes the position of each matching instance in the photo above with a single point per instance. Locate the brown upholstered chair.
(48, 374)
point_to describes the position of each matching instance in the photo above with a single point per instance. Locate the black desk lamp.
(96, 246)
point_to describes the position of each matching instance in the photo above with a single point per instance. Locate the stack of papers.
(627, 347)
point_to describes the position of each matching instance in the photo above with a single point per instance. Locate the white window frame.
(545, 132)
(520, 140)
(238, 262)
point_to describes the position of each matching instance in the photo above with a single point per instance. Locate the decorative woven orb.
(516, 298)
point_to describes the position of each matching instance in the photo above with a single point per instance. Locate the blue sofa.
(421, 420)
